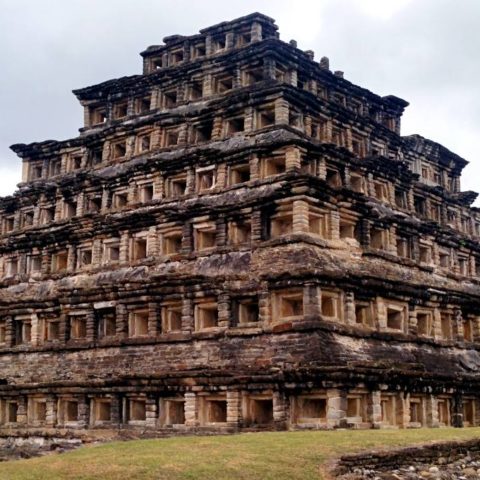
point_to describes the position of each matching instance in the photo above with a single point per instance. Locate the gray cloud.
(426, 52)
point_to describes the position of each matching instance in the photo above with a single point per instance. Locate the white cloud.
(424, 51)
(381, 9)
(10, 178)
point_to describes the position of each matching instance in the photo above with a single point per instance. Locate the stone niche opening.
(120, 199)
(273, 165)
(259, 410)
(199, 50)
(295, 119)
(84, 257)
(112, 250)
(205, 179)
(364, 314)
(55, 167)
(23, 331)
(37, 410)
(176, 186)
(446, 325)
(378, 238)
(444, 411)
(219, 43)
(69, 208)
(11, 267)
(144, 143)
(477, 263)
(381, 191)
(71, 411)
(404, 247)
(3, 332)
(136, 410)
(95, 156)
(239, 232)
(98, 115)
(318, 129)
(171, 137)
(287, 305)
(8, 224)
(395, 317)
(51, 329)
(101, 411)
(143, 104)
(119, 149)
(239, 174)
(170, 98)
(266, 117)
(47, 215)
(36, 171)
(67, 411)
(106, 322)
(146, 192)
(469, 412)
(356, 411)
(172, 242)
(138, 323)
(425, 324)
(120, 110)
(358, 146)
(246, 311)
(281, 222)
(27, 219)
(311, 409)
(213, 409)
(390, 407)
(34, 263)
(463, 266)
(195, 90)
(59, 261)
(468, 329)
(235, 126)
(172, 317)
(78, 326)
(435, 211)
(252, 76)
(139, 247)
(173, 411)
(206, 314)
(205, 235)
(318, 223)
(202, 132)
(12, 412)
(417, 411)
(331, 305)
(333, 177)
(444, 259)
(156, 64)
(177, 56)
(94, 204)
(401, 198)
(222, 84)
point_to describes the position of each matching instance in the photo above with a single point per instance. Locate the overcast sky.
(425, 51)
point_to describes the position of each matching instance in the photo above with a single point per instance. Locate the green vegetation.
(278, 456)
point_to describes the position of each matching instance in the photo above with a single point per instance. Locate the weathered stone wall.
(289, 352)
(239, 238)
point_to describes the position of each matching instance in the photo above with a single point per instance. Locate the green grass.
(265, 456)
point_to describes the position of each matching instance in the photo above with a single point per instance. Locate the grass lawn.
(259, 456)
